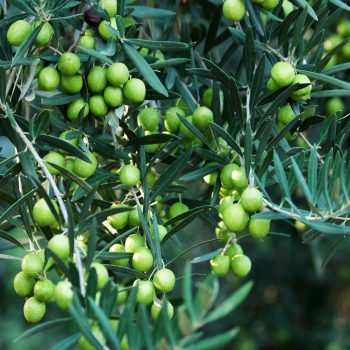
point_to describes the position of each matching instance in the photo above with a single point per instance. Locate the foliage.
(180, 61)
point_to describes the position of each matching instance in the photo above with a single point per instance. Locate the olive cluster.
(238, 201)
(33, 283)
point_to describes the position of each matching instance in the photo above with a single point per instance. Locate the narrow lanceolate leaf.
(156, 242)
(312, 172)
(230, 303)
(9, 211)
(144, 69)
(105, 325)
(43, 327)
(9, 238)
(302, 182)
(170, 174)
(226, 136)
(39, 123)
(66, 146)
(59, 99)
(281, 175)
(249, 55)
(340, 4)
(215, 342)
(95, 54)
(170, 46)
(326, 79)
(147, 12)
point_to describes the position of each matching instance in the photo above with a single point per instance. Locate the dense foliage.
(133, 133)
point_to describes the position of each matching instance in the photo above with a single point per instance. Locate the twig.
(305, 139)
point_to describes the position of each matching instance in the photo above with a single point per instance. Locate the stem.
(304, 138)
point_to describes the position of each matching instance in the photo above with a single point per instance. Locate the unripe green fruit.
(221, 232)
(145, 292)
(134, 218)
(288, 7)
(185, 131)
(23, 284)
(252, 200)
(282, 74)
(301, 79)
(270, 4)
(87, 41)
(97, 79)
(286, 114)
(102, 274)
(172, 121)
(157, 308)
(177, 208)
(54, 158)
(211, 178)
(103, 28)
(332, 41)
(226, 175)
(201, 117)
(18, 32)
(59, 244)
(180, 103)
(225, 202)
(164, 280)
(343, 27)
(34, 310)
(42, 214)
(241, 265)
(234, 10)
(235, 218)
(207, 98)
(144, 52)
(239, 179)
(272, 86)
(117, 74)
(45, 34)
(125, 343)
(142, 259)
(345, 50)
(133, 242)
(259, 228)
(69, 64)
(151, 179)
(118, 248)
(48, 79)
(162, 231)
(110, 6)
(129, 175)
(63, 294)
(233, 250)
(335, 104)
(113, 96)
(65, 135)
(71, 84)
(148, 119)
(220, 265)
(85, 169)
(75, 107)
(135, 90)
(119, 220)
(44, 290)
(122, 295)
(98, 106)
